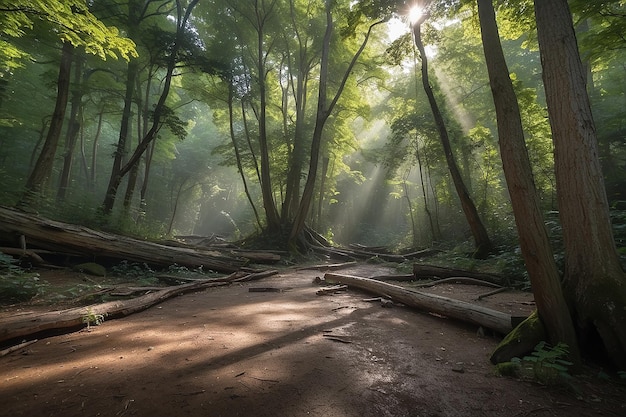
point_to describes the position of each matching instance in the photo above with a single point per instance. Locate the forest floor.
(228, 351)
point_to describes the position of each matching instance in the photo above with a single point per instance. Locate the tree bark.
(271, 213)
(43, 167)
(594, 280)
(297, 156)
(460, 310)
(533, 236)
(231, 128)
(120, 150)
(481, 237)
(73, 129)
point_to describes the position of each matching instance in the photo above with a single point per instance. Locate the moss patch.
(521, 340)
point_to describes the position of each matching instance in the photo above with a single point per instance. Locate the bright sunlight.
(415, 13)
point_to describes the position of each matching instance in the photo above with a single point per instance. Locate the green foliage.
(546, 364)
(133, 270)
(16, 284)
(70, 20)
(90, 318)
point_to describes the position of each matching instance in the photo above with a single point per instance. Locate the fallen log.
(18, 327)
(460, 310)
(80, 240)
(21, 327)
(262, 257)
(399, 277)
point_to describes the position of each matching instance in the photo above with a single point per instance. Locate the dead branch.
(422, 271)
(331, 290)
(16, 347)
(459, 280)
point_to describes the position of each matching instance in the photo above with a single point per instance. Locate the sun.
(415, 14)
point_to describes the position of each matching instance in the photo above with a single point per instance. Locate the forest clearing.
(232, 351)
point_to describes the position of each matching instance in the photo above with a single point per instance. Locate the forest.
(476, 127)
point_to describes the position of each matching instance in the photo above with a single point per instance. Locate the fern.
(546, 364)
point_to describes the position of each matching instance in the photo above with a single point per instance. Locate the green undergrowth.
(546, 364)
(17, 284)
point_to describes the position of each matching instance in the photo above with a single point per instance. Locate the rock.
(91, 268)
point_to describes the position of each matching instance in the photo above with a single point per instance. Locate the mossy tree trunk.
(593, 278)
(533, 236)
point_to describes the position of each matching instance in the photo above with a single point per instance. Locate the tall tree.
(75, 26)
(118, 172)
(533, 236)
(325, 108)
(482, 241)
(593, 278)
(263, 11)
(43, 167)
(74, 126)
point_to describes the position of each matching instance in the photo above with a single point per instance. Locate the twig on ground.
(16, 347)
(496, 291)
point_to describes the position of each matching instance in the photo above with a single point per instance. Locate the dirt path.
(231, 352)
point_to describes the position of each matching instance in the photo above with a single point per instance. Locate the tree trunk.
(325, 162)
(118, 175)
(231, 126)
(297, 156)
(324, 109)
(32, 325)
(94, 151)
(481, 237)
(38, 178)
(271, 213)
(533, 236)
(120, 150)
(594, 280)
(73, 128)
(131, 184)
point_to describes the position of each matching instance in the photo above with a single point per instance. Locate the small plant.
(92, 318)
(546, 364)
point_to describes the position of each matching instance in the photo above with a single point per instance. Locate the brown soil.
(231, 352)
